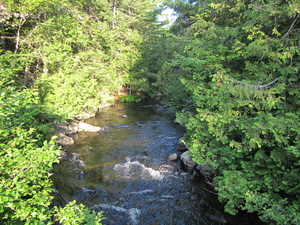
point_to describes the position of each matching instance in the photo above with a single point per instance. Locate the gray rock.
(65, 128)
(64, 139)
(73, 128)
(167, 168)
(61, 127)
(176, 121)
(84, 127)
(205, 169)
(187, 161)
(173, 157)
(218, 218)
(182, 147)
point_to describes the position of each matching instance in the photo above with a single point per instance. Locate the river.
(124, 172)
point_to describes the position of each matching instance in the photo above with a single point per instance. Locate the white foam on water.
(106, 206)
(135, 170)
(133, 213)
(167, 196)
(141, 192)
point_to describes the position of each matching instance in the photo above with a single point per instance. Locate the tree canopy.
(239, 95)
(229, 68)
(57, 59)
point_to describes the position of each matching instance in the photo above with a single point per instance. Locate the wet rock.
(182, 147)
(84, 193)
(176, 121)
(205, 169)
(167, 168)
(65, 128)
(64, 139)
(72, 156)
(87, 127)
(173, 157)
(61, 127)
(218, 218)
(124, 116)
(73, 127)
(187, 161)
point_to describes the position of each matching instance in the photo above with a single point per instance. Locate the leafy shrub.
(129, 98)
(26, 159)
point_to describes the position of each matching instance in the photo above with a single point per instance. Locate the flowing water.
(124, 172)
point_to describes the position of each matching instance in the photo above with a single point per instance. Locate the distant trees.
(77, 53)
(239, 95)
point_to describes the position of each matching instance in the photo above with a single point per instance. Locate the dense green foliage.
(58, 58)
(25, 163)
(77, 53)
(239, 96)
(230, 67)
(129, 98)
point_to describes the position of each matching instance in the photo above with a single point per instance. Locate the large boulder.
(62, 129)
(205, 169)
(187, 161)
(64, 139)
(66, 128)
(73, 127)
(85, 127)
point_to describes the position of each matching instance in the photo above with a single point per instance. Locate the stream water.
(124, 172)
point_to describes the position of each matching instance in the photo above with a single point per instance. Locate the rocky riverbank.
(74, 126)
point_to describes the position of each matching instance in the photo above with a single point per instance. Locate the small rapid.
(135, 170)
(124, 172)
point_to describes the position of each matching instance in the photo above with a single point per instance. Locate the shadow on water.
(124, 172)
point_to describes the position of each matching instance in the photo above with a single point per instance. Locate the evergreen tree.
(77, 52)
(241, 73)
(57, 57)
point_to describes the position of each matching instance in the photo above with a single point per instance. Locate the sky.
(167, 15)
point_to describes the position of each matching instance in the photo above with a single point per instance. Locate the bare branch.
(8, 37)
(29, 34)
(258, 87)
(22, 21)
(291, 27)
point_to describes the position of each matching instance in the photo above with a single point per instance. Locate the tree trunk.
(22, 21)
(114, 13)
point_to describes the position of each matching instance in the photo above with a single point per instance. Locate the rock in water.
(205, 169)
(187, 161)
(173, 157)
(64, 139)
(87, 127)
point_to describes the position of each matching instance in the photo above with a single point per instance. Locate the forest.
(229, 69)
